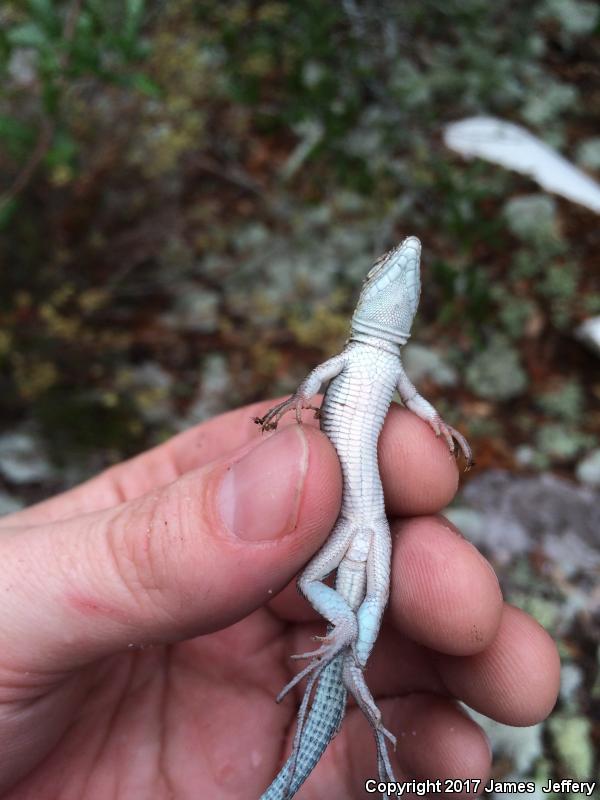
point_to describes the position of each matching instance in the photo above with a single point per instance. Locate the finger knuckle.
(142, 542)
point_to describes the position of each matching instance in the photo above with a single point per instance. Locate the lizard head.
(390, 294)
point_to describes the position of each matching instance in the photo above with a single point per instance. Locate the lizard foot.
(384, 765)
(340, 637)
(271, 419)
(367, 705)
(355, 683)
(451, 435)
(315, 667)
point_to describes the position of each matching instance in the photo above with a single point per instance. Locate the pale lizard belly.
(352, 415)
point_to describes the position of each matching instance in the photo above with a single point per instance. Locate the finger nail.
(260, 494)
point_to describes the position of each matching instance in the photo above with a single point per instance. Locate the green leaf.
(50, 97)
(133, 18)
(143, 84)
(12, 128)
(29, 34)
(134, 12)
(44, 12)
(17, 136)
(7, 210)
(63, 150)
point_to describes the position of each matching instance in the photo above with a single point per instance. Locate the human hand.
(141, 649)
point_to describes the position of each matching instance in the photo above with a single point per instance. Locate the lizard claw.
(324, 649)
(342, 636)
(354, 681)
(316, 667)
(271, 419)
(453, 437)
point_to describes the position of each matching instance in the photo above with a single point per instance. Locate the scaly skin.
(362, 381)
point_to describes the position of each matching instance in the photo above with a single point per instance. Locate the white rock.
(9, 504)
(215, 390)
(23, 459)
(571, 680)
(195, 310)
(516, 148)
(531, 216)
(588, 153)
(589, 333)
(421, 362)
(588, 470)
(150, 385)
(522, 746)
(572, 553)
(523, 513)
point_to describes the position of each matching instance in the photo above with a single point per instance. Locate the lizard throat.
(388, 338)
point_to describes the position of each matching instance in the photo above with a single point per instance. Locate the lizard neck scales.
(367, 331)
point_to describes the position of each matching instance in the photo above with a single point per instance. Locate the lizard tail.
(324, 720)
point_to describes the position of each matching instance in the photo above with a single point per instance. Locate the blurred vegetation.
(190, 193)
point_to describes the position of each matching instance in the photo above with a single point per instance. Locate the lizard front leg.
(304, 393)
(423, 409)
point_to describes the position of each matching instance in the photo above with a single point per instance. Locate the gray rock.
(150, 386)
(588, 469)
(310, 133)
(421, 362)
(215, 393)
(532, 217)
(571, 681)
(537, 794)
(23, 458)
(471, 523)
(565, 403)
(312, 73)
(23, 67)
(195, 309)
(9, 504)
(588, 153)
(577, 17)
(496, 373)
(561, 442)
(572, 737)
(552, 99)
(572, 553)
(522, 746)
(523, 513)
(526, 456)
(589, 333)
(500, 534)
(251, 236)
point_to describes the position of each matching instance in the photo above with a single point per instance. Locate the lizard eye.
(378, 266)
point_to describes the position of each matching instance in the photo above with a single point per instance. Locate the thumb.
(186, 559)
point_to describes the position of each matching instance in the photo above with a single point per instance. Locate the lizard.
(362, 380)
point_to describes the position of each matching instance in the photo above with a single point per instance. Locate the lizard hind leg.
(343, 625)
(343, 635)
(300, 720)
(355, 683)
(354, 680)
